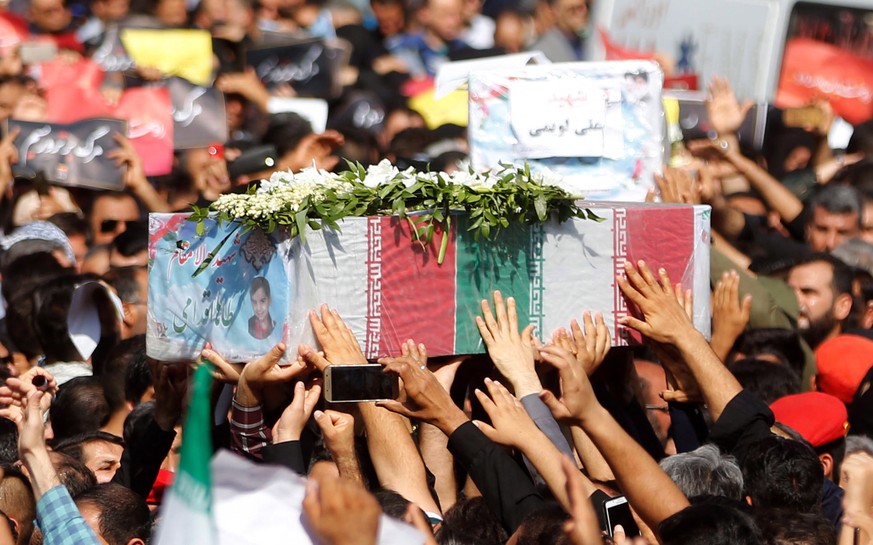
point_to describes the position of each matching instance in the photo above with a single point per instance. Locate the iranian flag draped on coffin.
(389, 289)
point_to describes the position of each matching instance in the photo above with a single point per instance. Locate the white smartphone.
(357, 383)
(617, 511)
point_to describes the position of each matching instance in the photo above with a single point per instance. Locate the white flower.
(380, 174)
(550, 178)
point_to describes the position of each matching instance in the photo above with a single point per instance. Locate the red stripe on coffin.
(417, 301)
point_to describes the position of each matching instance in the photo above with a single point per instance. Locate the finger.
(559, 410)
(650, 195)
(499, 393)
(635, 323)
(666, 284)
(312, 357)
(324, 421)
(629, 290)
(500, 311)
(646, 274)
(311, 398)
(635, 279)
(395, 407)
(299, 396)
(590, 336)
(412, 350)
(689, 304)
(527, 335)
(489, 431)
(484, 331)
(618, 535)
(603, 338)
(674, 396)
(747, 307)
(422, 352)
(312, 501)
(512, 315)
(489, 318)
(487, 403)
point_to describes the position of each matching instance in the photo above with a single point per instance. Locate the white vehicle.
(782, 51)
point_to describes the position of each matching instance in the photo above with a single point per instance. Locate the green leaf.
(541, 207)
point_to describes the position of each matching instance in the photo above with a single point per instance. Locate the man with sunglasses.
(110, 214)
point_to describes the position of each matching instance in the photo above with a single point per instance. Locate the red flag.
(812, 69)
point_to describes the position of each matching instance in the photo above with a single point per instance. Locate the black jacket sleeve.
(142, 460)
(506, 487)
(745, 420)
(288, 454)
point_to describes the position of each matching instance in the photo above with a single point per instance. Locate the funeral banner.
(75, 154)
(199, 117)
(309, 67)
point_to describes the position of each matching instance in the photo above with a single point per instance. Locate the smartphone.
(38, 52)
(256, 159)
(353, 383)
(617, 511)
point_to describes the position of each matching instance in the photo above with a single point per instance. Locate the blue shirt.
(60, 520)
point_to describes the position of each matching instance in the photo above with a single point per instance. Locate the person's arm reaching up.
(58, 517)
(511, 426)
(649, 490)
(392, 449)
(665, 321)
(338, 430)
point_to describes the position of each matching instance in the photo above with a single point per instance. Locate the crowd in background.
(761, 434)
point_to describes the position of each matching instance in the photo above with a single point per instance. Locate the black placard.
(74, 154)
(199, 116)
(308, 66)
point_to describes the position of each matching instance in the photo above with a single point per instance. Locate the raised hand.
(592, 343)
(266, 369)
(222, 370)
(339, 512)
(512, 352)
(726, 114)
(338, 343)
(665, 319)
(290, 425)
(15, 391)
(510, 423)
(577, 397)
(338, 430)
(423, 396)
(730, 315)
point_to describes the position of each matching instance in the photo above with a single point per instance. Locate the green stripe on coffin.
(502, 263)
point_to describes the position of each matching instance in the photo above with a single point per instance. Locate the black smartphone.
(353, 383)
(256, 159)
(617, 511)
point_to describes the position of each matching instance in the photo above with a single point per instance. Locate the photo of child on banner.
(238, 300)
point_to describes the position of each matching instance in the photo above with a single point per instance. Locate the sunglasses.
(109, 226)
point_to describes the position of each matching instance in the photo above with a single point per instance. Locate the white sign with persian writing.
(564, 118)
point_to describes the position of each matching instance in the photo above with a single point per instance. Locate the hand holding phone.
(617, 512)
(359, 383)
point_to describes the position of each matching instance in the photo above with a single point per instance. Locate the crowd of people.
(762, 434)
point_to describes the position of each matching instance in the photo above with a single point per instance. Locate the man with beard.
(823, 285)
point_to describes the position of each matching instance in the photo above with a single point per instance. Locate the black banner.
(199, 117)
(74, 154)
(309, 67)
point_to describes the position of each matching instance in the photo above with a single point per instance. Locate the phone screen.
(618, 512)
(359, 383)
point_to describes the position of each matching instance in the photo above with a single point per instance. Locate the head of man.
(18, 503)
(823, 286)
(443, 19)
(110, 214)
(99, 451)
(50, 16)
(116, 514)
(705, 472)
(781, 473)
(836, 217)
(571, 16)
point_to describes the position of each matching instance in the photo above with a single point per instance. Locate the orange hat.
(819, 418)
(842, 363)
